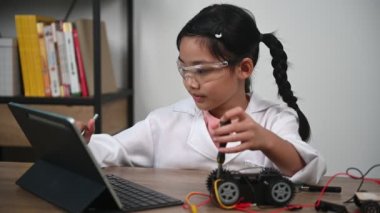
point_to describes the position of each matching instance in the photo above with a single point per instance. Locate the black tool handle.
(221, 156)
(312, 188)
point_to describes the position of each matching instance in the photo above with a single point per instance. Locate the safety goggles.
(202, 73)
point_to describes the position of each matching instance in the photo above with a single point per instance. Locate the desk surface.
(176, 183)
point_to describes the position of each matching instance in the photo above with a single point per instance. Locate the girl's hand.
(87, 130)
(255, 137)
(242, 128)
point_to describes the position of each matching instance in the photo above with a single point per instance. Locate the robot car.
(267, 187)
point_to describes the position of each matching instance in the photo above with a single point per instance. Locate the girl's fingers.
(239, 148)
(86, 130)
(91, 126)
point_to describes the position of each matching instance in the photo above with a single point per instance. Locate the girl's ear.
(245, 68)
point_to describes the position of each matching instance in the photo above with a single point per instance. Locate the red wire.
(326, 185)
(374, 180)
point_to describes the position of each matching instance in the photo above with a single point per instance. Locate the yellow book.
(23, 55)
(43, 56)
(30, 53)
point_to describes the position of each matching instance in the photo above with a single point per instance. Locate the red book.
(81, 71)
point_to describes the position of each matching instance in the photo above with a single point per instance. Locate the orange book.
(29, 46)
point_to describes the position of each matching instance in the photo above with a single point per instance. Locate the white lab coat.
(176, 136)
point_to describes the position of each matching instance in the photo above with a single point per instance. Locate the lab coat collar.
(256, 104)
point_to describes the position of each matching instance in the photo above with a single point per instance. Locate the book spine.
(52, 61)
(85, 35)
(55, 42)
(23, 50)
(43, 56)
(70, 53)
(81, 69)
(62, 60)
(36, 65)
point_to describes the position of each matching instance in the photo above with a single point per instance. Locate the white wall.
(333, 50)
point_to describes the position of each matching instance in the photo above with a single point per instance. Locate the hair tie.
(218, 35)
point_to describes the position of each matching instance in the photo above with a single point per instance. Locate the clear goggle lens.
(202, 72)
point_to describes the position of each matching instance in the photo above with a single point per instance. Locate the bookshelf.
(115, 109)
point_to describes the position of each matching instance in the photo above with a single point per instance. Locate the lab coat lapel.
(200, 140)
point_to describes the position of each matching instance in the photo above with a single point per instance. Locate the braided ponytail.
(280, 66)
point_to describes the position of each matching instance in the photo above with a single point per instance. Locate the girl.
(218, 50)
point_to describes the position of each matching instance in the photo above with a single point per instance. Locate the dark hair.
(231, 34)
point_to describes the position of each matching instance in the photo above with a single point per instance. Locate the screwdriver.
(221, 156)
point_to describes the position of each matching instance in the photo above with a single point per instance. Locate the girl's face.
(214, 86)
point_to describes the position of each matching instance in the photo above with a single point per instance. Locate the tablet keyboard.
(135, 197)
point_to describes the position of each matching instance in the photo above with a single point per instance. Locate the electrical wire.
(362, 177)
(218, 197)
(194, 207)
(321, 194)
(238, 206)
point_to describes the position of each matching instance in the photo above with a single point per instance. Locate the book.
(71, 61)
(29, 50)
(81, 69)
(62, 59)
(85, 34)
(43, 56)
(50, 41)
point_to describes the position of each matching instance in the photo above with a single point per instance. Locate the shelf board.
(48, 100)
(67, 100)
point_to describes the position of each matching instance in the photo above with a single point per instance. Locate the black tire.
(225, 175)
(229, 193)
(280, 192)
(269, 172)
(370, 207)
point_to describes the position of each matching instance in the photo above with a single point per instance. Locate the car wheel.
(225, 175)
(228, 193)
(280, 192)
